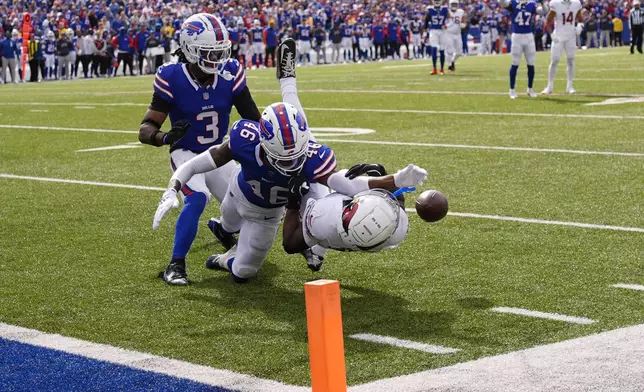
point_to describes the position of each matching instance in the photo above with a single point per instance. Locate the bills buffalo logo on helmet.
(194, 27)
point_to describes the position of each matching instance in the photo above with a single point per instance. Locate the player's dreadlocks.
(180, 55)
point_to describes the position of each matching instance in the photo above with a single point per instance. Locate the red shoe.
(442, 72)
(434, 72)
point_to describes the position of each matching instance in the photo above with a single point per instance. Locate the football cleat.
(513, 94)
(286, 54)
(434, 72)
(175, 275)
(570, 90)
(547, 90)
(531, 93)
(228, 240)
(313, 261)
(452, 68)
(442, 72)
(212, 263)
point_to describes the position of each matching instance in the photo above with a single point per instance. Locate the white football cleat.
(513, 94)
(570, 90)
(531, 93)
(547, 90)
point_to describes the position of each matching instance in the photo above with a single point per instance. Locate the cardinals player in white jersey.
(564, 13)
(369, 221)
(453, 36)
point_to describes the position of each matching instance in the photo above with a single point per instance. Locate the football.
(431, 206)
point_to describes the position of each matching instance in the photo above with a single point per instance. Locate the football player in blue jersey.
(522, 16)
(198, 94)
(279, 162)
(435, 22)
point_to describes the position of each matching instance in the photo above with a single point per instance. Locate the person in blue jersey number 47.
(522, 15)
(280, 164)
(198, 94)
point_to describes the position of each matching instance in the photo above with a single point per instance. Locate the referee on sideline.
(636, 21)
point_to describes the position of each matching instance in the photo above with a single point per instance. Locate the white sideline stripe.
(549, 316)
(108, 184)
(607, 361)
(541, 221)
(616, 101)
(39, 110)
(529, 149)
(428, 348)
(85, 107)
(65, 129)
(458, 214)
(637, 287)
(144, 361)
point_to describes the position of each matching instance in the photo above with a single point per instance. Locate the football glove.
(168, 201)
(298, 187)
(369, 169)
(411, 176)
(178, 131)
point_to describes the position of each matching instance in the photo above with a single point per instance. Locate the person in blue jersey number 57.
(198, 94)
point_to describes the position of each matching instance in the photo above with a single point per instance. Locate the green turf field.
(82, 260)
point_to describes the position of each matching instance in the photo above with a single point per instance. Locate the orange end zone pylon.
(326, 342)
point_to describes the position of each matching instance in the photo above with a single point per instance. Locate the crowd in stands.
(97, 38)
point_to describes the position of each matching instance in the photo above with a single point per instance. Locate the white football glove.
(168, 201)
(410, 176)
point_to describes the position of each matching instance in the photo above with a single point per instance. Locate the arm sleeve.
(245, 105)
(200, 164)
(159, 104)
(339, 183)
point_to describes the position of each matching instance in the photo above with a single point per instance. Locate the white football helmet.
(204, 41)
(453, 5)
(256, 23)
(370, 219)
(437, 4)
(284, 137)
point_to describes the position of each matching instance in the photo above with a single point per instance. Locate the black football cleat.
(175, 275)
(452, 67)
(212, 263)
(286, 54)
(313, 261)
(228, 240)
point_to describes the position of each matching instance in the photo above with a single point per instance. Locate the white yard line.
(456, 214)
(496, 114)
(39, 110)
(80, 182)
(607, 361)
(85, 107)
(428, 348)
(466, 146)
(325, 132)
(119, 147)
(637, 287)
(144, 361)
(395, 111)
(43, 128)
(544, 315)
(541, 221)
(432, 92)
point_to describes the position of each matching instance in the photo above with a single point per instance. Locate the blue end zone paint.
(24, 367)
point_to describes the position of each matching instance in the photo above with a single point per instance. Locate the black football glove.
(370, 169)
(178, 130)
(298, 187)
